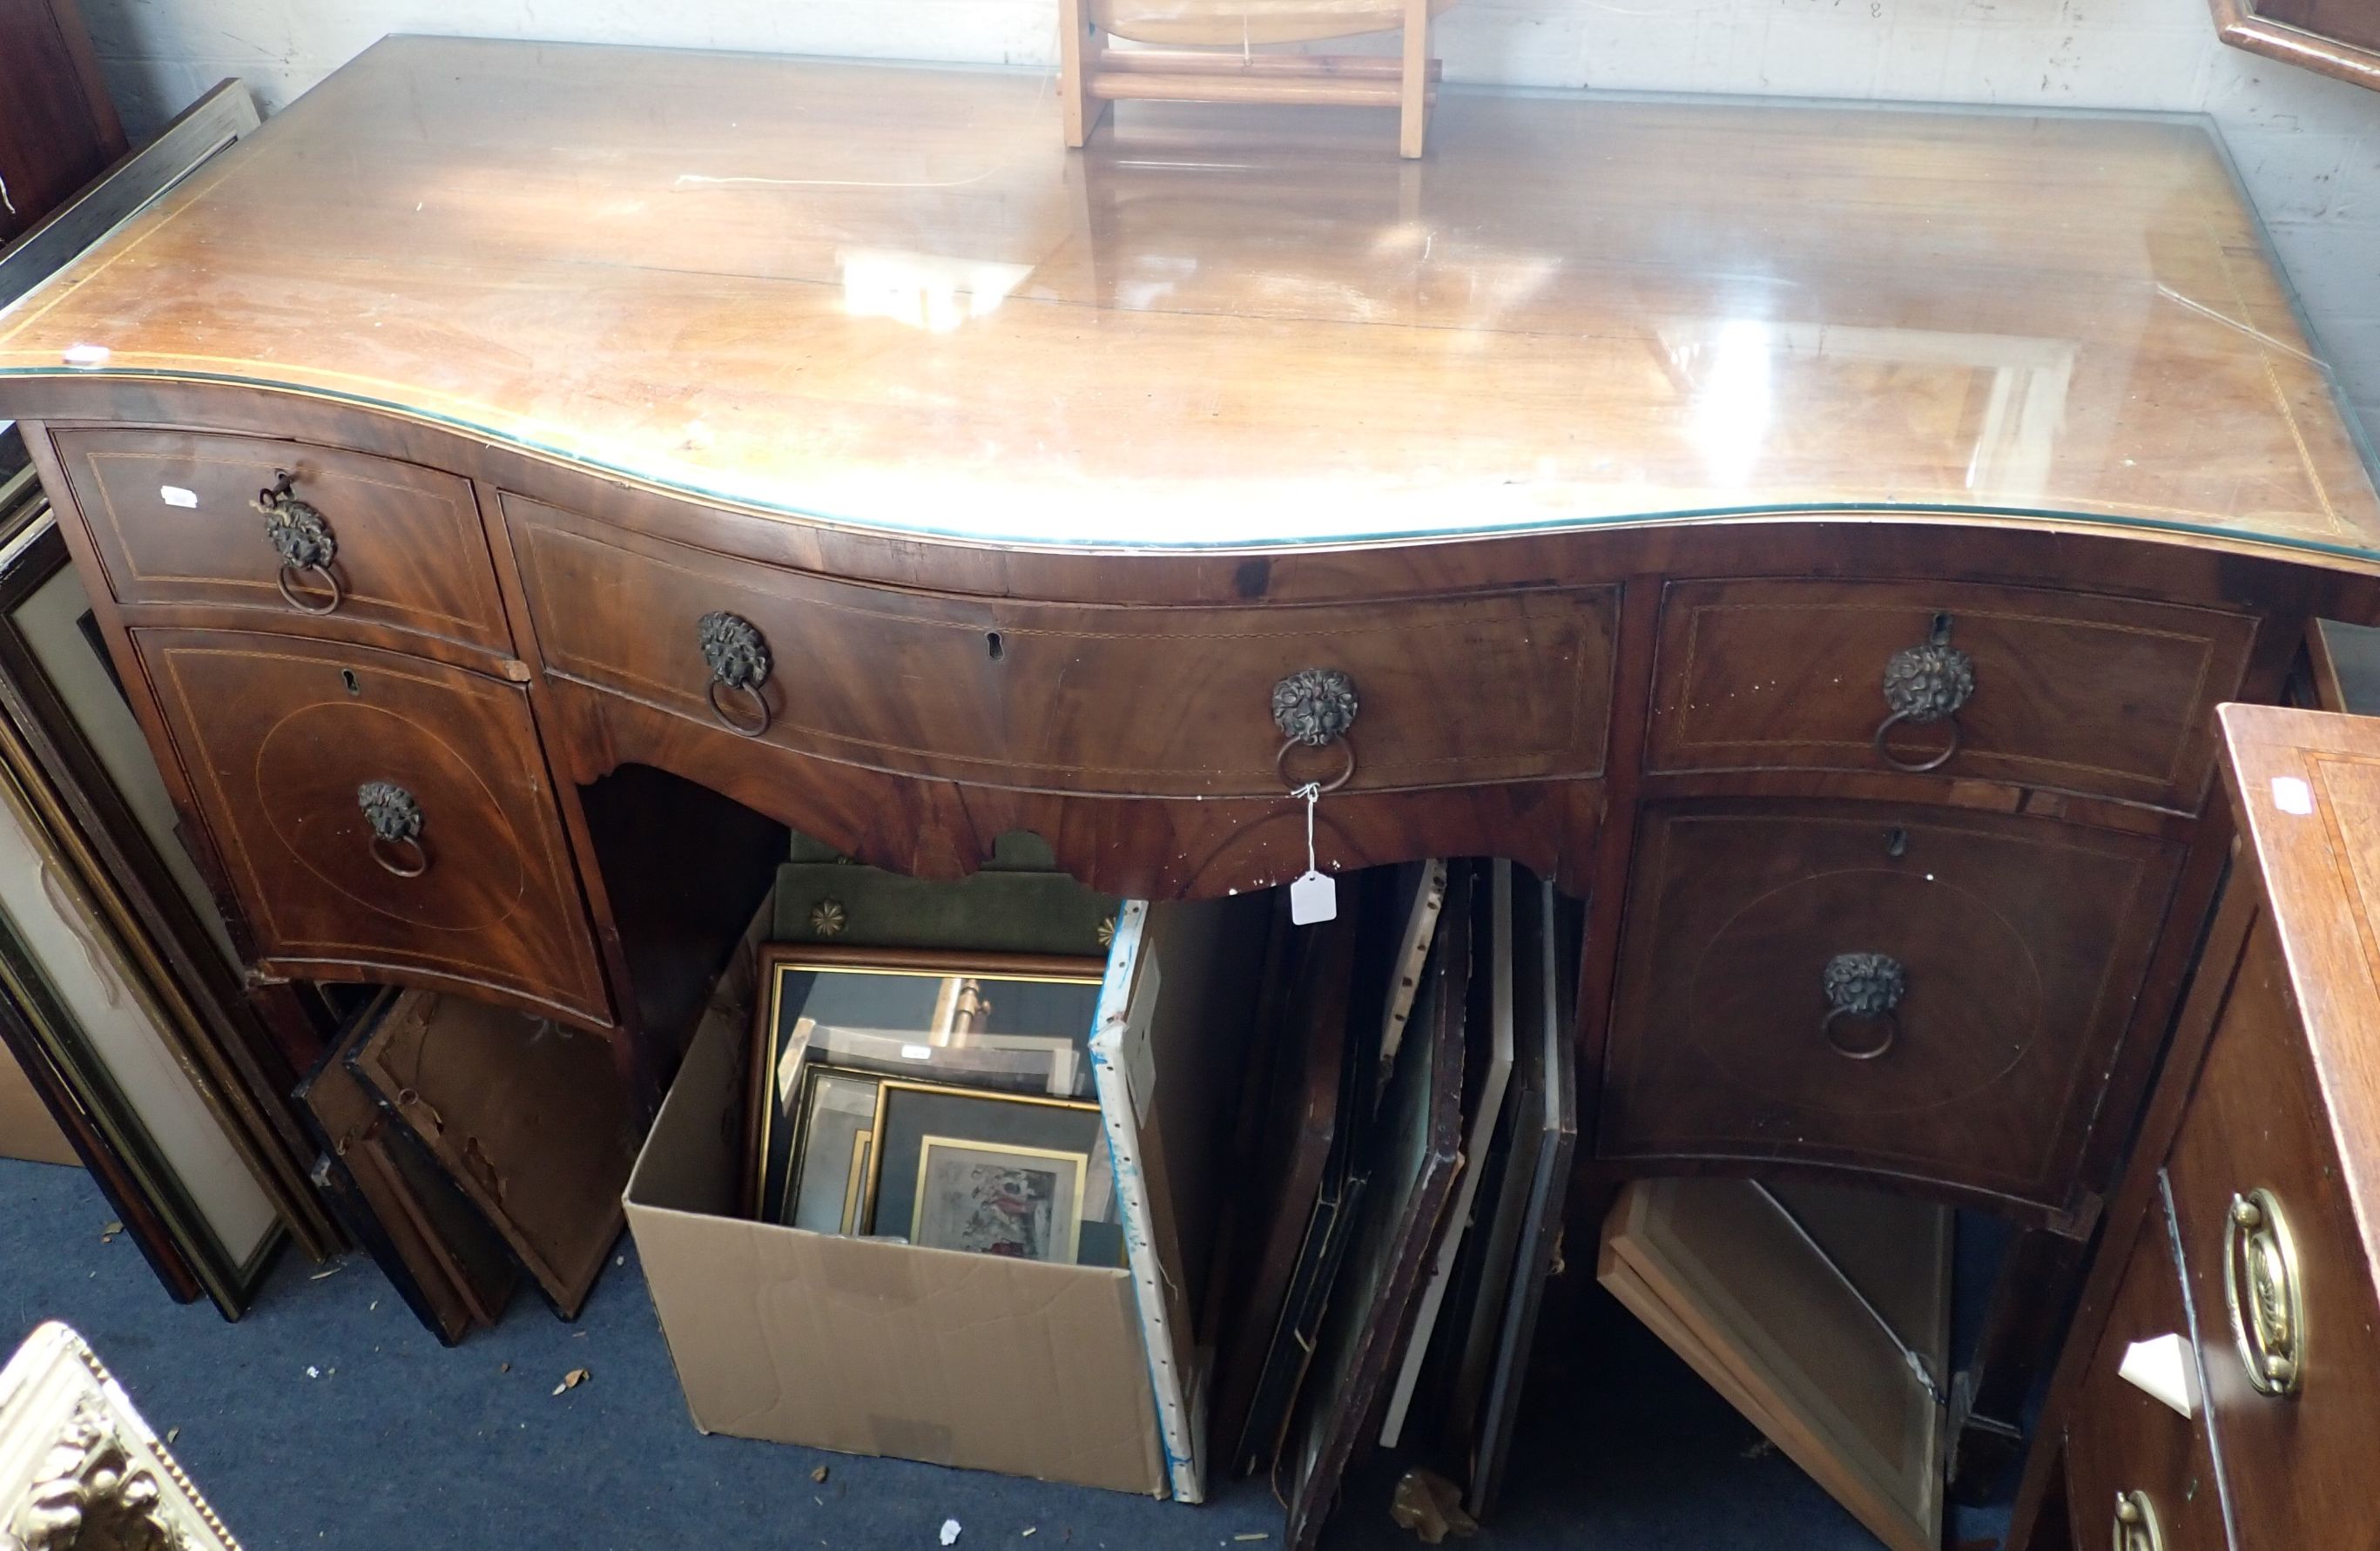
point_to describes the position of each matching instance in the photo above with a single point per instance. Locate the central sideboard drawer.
(2008, 951)
(281, 738)
(2108, 696)
(2298, 1462)
(1167, 701)
(175, 517)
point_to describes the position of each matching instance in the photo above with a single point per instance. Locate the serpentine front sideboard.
(521, 475)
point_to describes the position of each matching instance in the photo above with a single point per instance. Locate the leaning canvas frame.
(1092, 76)
(55, 734)
(132, 1102)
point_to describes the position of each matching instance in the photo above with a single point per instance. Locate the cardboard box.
(866, 1347)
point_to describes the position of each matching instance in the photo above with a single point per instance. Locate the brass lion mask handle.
(396, 819)
(1925, 685)
(299, 535)
(1864, 987)
(737, 656)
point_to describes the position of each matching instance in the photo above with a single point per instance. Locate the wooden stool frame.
(1093, 76)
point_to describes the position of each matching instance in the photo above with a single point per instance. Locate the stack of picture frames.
(1332, 1159)
(121, 1000)
(1383, 1288)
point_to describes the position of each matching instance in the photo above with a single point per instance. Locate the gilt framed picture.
(1010, 1022)
(1014, 1175)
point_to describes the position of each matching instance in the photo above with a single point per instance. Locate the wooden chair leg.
(1079, 48)
(1413, 113)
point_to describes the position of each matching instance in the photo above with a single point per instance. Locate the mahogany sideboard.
(520, 478)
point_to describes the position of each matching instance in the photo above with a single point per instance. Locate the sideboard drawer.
(2108, 696)
(1070, 696)
(2002, 956)
(175, 516)
(2126, 1451)
(2299, 1462)
(306, 756)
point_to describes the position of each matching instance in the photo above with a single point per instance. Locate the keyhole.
(1896, 842)
(991, 641)
(347, 677)
(1941, 636)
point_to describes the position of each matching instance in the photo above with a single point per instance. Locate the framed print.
(1025, 1203)
(1017, 1023)
(88, 1027)
(1016, 1175)
(835, 1142)
(86, 771)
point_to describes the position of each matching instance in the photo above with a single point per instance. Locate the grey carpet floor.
(329, 1417)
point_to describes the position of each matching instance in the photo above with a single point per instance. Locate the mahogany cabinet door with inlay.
(380, 818)
(2123, 1444)
(1931, 995)
(2108, 696)
(2298, 1465)
(174, 517)
(1513, 685)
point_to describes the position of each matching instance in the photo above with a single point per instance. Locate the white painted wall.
(2308, 147)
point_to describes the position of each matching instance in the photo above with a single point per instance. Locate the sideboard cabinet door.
(1934, 995)
(380, 818)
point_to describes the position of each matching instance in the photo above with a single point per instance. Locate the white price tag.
(2293, 795)
(1313, 897)
(175, 495)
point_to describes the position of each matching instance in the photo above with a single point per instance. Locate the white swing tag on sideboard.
(1313, 897)
(175, 495)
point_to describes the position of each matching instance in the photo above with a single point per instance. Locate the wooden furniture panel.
(1012, 692)
(175, 520)
(2338, 37)
(531, 1122)
(57, 128)
(2121, 1440)
(2297, 1464)
(279, 737)
(2019, 946)
(2110, 697)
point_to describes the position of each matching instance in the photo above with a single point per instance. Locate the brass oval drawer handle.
(304, 541)
(1924, 685)
(396, 819)
(1315, 708)
(738, 655)
(2136, 1524)
(2263, 1292)
(1865, 987)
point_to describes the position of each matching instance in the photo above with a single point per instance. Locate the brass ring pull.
(1922, 685)
(2263, 1292)
(738, 655)
(1346, 771)
(1884, 730)
(1866, 988)
(330, 584)
(2136, 1524)
(752, 726)
(395, 820)
(393, 861)
(299, 535)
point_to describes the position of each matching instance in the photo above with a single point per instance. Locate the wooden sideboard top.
(889, 297)
(2306, 788)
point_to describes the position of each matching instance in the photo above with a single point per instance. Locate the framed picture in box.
(1015, 1175)
(835, 1144)
(1017, 1023)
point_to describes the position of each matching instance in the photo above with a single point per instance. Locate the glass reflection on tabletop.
(888, 296)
